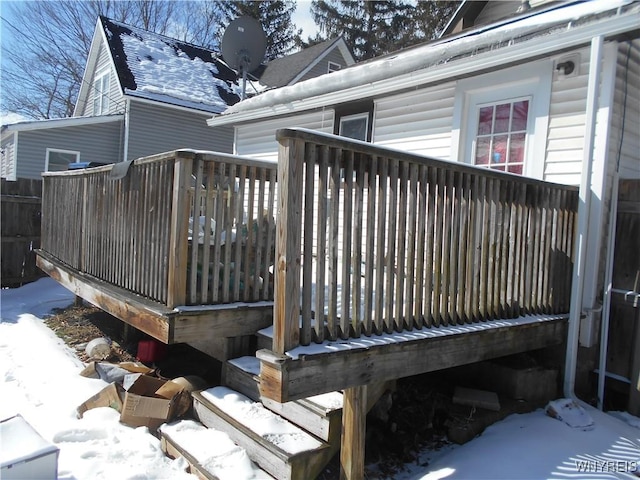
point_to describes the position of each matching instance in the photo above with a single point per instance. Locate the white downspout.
(125, 149)
(584, 207)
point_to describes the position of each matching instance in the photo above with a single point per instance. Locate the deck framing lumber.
(284, 378)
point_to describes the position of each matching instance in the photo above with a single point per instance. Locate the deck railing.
(372, 240)
(147, 231)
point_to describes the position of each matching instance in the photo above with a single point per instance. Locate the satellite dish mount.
(244, 44)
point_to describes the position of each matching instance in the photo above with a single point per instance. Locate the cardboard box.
(150, 401)
(24, 453)
(110, 396)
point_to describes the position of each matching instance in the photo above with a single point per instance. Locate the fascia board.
(63, 122)
(92, 58)
(514, 54)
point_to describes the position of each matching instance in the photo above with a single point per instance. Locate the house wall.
(96, 143)
(259, 140)
(8, 161)
(627, 114)
(418, 121)
(116, 99)
(156, 129)
(322, 66)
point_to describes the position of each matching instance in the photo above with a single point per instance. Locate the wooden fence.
(147, 231)
(20, 213)
(373, 240)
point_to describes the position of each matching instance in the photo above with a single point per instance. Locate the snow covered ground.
(40, 380)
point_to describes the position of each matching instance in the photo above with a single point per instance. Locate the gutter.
(471, 65)
(584, 208)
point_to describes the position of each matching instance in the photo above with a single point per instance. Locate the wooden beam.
(100, 294)
(284, 378)
(199, 324)
(352, 445)
(286, 332)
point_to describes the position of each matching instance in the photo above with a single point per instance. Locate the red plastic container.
(150, 351)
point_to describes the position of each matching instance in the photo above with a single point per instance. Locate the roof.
(534, 34)
(60, 123)
(285, 70)
(162, 69)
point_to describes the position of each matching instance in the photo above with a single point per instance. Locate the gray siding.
(322, 66)
(116, 103)
(154, 129)
(96, 143)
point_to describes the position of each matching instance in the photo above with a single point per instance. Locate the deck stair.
(279, 447)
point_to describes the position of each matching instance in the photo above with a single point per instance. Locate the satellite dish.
(243, 46)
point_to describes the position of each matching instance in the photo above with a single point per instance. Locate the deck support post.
(177, 281)
(352, 445)
(286, 321)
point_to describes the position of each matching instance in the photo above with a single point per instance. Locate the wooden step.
(281, 448)
(320, 415)
(211, 454)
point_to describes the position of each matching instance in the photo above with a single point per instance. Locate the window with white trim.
(501, 135)
(101, 94)
(355, 126)
(58, 160)
(500, 119)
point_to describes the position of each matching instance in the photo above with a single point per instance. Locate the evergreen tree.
(275, 18)
(373, 28)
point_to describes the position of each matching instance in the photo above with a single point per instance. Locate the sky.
(39, 379)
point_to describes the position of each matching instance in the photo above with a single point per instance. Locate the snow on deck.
(332, 346)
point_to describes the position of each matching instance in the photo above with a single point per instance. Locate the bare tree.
(45, 44)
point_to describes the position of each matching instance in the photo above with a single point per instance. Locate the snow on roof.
(564, 16)
(163, 69)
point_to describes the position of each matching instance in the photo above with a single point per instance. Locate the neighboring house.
(325, 57)
(549, 92)
(142, 94)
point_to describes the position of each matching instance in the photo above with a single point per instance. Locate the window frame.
(59, 150)
(351, 111)
(100, 94)
(532, 81)
(355, 116)
(333, 67)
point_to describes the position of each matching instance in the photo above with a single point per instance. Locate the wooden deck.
(369, 242)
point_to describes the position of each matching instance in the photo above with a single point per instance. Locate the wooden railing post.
(286, 309)
(178, 241)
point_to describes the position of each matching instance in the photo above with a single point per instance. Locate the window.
(501, 135)
(101, 94)
(355, 126)
(333, 67)
(500, 119)
(58, 160)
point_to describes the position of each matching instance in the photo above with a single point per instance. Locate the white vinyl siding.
(567, 117)
(418, 121)
(258, 140)
(8, 158)
(627, 81)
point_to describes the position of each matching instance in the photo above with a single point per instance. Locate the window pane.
(355, 128)
(482, 150)
(503, 112)
(499, 153)
(485, 120)
(59, 161)
(515, 169)
(520, 114)
(516, 148)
